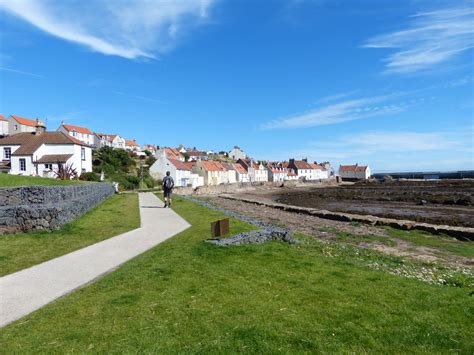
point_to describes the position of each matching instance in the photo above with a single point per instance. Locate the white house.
(277, 173)
(241, 173)
(212, 172)
(195, 155)
(236, 153)
(260, 173)
(110, 140)
(82, 133)
(180, 171)
(17, 124)
(40, 153)
(302, 168)
(150, 147)
(291, 175)
(170, 153)
(231, 173)
(132, 145)
(3, 126)
(318, 172)
(354, 172)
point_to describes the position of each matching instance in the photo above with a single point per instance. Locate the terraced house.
(40, 153)
(83, 134)
(17, 124)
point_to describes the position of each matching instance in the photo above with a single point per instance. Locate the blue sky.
(388, 83)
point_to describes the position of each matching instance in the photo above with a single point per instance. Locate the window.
(48, 166)
(74, 134)
(16, 127)
(83, 153)
(7, 153)
(22, 164)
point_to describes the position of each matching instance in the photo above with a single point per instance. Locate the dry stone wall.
(28, 208)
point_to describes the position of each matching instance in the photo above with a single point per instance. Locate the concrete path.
(27, 290)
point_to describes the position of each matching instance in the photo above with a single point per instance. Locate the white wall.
(15, 127)
(3, 128)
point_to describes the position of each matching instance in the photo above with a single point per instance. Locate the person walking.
(168, 185)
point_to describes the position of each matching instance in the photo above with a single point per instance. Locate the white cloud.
(21, 72)
(343, 111)
(138, 97)
(396, 150)
(431, 38)
(129, 29)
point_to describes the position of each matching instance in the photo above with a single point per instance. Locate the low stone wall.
(461, 233)
(28, 208)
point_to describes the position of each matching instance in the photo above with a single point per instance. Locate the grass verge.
(186, 296)
(442, 243)
(8, 180)
(118, 214)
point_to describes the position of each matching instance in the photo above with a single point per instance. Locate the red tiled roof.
(71, 128)
(108, 137)
(291, 173)
(24, 121)
(131, 143)
(213, 166)
(300, 164)
(240, 169)
(178, 164)
(173, 153)
(228, 166)
(352, 167)
(316, 167)
(2, 118)
(196, 153)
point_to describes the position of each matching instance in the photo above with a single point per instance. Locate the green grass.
(118, 214)
(441, 242)
(346, 237)
(186, 296)
(7, 180)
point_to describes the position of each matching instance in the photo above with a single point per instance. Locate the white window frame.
(7, 153)
(83, 153)
(48, 166)
(22, 164)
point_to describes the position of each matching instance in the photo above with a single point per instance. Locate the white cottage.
(213, 172)
(3, 126)
(84, 134)
(241, 173)
(40, 153)
(354, 172)
(109, 140)
(180, 171)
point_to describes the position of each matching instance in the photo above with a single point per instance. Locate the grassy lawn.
(442, 243)
(186, 296)
(17, 180)
(118, 214)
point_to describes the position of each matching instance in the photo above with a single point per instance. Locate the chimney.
(292, 161)
(40, 126)
(305, 160)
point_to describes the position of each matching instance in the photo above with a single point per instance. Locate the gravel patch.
(266, 233)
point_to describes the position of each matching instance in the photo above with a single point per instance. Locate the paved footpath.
(27, 290)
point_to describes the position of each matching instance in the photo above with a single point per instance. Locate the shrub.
(89, 177)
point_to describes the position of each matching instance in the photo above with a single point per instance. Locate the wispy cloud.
(344, 111)
(396, 150)
(138, 97)
(21, 72)
(431, 38)
(129, 29)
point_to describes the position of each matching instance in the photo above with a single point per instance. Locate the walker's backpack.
(169, 183)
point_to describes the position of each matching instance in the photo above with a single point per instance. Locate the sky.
(379, 82)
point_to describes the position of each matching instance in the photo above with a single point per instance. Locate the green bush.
(89, 177)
